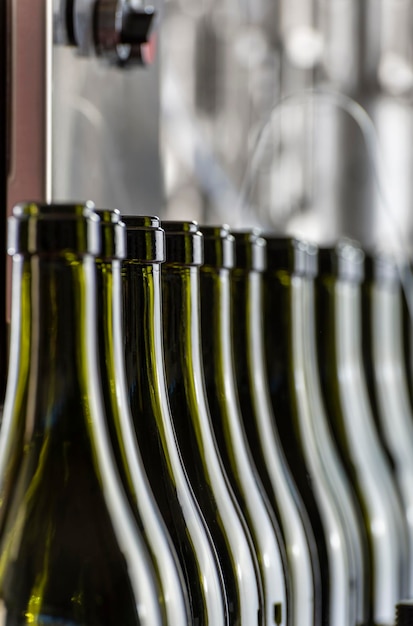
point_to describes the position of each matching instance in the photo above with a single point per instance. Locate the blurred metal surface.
(105, 129)
(330, 167)
(177, 137)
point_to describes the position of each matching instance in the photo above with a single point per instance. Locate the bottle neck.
(181, 314)
(112, 370)
(283, 335)
(141, 293)
(53, 304)
(386, 322)
(216, 329)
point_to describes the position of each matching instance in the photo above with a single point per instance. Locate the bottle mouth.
(219, 247)
(184, 243)
(54, 229)
(113, 234)
(382, 269)
(145, 239)
(344, 261)
(250, 250)
(291, 254)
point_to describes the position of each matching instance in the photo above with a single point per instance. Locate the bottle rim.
(113, 234)
(344, 261)
(145, 239)
(291, 254)
(219, 246)
(184, 243)
(54, 229)
(250, 250)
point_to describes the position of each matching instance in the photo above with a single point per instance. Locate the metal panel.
(105, 130)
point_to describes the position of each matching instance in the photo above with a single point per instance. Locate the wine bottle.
(338, 325)
(71, 552)
(222, 396)
(190, 412)
(256, 411)
(407, 317)
(386, 378)
(145, 373)
(340, 486)
(285, 327)
(173, 598)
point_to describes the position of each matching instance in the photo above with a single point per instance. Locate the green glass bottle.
(338, 324)
(286, 325)
(145, 372)
(173, 598)
(407, 317)
(386, 378)
(190, 412)
(340, 486)
(222, 396)
(256, 411)
(71, 553)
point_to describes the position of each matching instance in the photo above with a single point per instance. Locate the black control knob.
(121, 29)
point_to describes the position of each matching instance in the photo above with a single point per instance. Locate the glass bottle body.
(256, 410)
(284, 321)
(160, 454)
(388, 390)
(71, 552)
(173, 597)
(340, 486)
(225, 413)
(184, 373)
(349, 411)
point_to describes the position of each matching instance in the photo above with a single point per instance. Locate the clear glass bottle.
(217, 353)
(338, 325)
(386, 378)
(71, 552)
(192, 420)
(145, 372)
(252, 385)
(173, 598)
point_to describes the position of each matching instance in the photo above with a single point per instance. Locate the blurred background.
(293, 115)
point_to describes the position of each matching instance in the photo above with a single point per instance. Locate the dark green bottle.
(190, 412)
(338, 324)
(290, 265)
(407, 316)
(141, 285)
(71, 553)
(256, 410)
(340, 486)
(222, 396)
(173, 598)
(387, 380)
